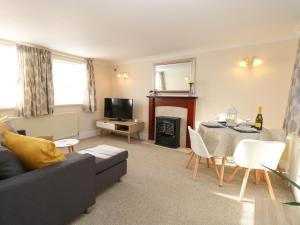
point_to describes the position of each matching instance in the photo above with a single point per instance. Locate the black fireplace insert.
(167, 131)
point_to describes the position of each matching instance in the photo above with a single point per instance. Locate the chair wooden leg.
(190, 159)
(215, 167)
(244, 184)
(269, 185)
(222, 172)
(213, 162)
(196, 167)
(234, 171)
(257, 176)
(207, 162)
(264, 177)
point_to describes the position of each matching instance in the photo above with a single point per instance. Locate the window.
(8, 76)
(69, 79)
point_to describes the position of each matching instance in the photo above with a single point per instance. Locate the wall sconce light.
(250, 62)
(122, 75)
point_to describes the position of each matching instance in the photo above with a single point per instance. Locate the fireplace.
(188, 102)
(167, 131)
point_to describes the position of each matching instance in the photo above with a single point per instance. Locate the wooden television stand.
(127, 128)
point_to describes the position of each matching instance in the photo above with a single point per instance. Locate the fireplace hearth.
(167, 131)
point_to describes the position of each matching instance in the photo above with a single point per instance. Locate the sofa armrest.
(51, 195)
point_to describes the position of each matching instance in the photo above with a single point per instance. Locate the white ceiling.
(120, 29)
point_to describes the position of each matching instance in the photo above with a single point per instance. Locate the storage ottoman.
(111, 164)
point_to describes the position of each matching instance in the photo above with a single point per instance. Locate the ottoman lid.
(106, 156)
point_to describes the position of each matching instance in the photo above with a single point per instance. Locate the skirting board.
(88, 134)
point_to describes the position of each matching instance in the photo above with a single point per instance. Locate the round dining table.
(221, 142)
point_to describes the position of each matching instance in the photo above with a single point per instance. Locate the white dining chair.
(255, 154)
(199, 150)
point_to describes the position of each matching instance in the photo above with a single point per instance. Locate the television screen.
(118, 108)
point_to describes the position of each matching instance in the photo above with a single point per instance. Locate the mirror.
(174, 76)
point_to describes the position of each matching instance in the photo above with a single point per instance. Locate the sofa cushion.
(106, 156)
(9, 164)
(33, 152)
(103, 164)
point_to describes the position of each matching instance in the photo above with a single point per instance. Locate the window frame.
(12, 45)
(74, 60)
(55, 56)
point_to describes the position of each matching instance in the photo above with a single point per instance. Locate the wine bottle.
(259, 119)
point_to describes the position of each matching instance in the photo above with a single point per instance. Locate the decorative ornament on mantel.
(192, 88)
(153, 92)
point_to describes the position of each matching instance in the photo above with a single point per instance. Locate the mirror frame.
(192, 78)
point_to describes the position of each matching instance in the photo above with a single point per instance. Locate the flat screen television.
(118, 108)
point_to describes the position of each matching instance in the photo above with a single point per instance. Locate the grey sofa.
(49, 196)
(57, 194)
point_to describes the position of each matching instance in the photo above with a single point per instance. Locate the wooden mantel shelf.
(171, 96)
(188, 102)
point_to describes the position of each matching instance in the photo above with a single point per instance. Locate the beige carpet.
(158, 190)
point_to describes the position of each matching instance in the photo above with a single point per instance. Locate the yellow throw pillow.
(33, 152)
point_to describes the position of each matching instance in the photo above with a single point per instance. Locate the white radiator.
(61, 125)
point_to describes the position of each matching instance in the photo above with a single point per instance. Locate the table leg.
(70, 149)
(207, 162)
(129, 141)
(222, 172)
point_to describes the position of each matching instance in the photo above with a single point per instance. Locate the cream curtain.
(90, 102)
(291, 126)
(291, 123)
(36, 94)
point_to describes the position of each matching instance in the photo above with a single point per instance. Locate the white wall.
(220, 83)
(137, 86)
(86, 120)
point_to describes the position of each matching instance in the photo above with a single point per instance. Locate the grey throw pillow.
(9, 164)
(7, 123)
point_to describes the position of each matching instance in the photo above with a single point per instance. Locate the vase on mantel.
(191, 89)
